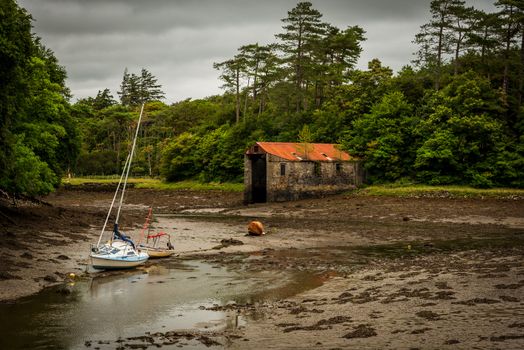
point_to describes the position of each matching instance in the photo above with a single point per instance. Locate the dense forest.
(454, 115)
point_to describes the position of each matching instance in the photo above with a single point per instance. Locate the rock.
(361, 331)
(231, 241)
(62, 257)
(207, 341)
(428, 315)
(65, 289)
(4, 275)
(50, 278)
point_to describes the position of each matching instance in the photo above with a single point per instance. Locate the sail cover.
(122, 236)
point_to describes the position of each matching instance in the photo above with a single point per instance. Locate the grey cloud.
(88, 17)
(178, 41)
(94, 17)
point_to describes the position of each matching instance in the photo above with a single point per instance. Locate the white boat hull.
(104, 263)
(117, 255)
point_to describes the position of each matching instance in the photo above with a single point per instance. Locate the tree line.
(453, 115)
(39, 138)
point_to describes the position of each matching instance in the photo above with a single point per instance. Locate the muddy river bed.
(332, 273)
(173, 303)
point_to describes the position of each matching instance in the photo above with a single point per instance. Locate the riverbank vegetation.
(442, 191)
(155, 184)
(453, 116)
(391, 190)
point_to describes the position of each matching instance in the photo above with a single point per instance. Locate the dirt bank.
(464, 300)
(398, 272)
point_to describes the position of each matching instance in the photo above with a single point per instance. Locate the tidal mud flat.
(396, 273)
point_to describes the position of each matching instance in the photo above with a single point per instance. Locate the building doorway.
(258, 178)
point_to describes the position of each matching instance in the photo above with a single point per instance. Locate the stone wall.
(304, 179)
(248, 196)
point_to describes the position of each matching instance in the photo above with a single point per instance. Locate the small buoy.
(409, 246)
(255, 228)
(72, 275)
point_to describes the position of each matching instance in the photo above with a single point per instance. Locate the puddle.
(102, 310)
(203, 211)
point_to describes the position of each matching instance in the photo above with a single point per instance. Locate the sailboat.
(120, 252)
(157, 245)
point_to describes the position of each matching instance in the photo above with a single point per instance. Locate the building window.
(256, 149)
(317, 169)
(338, 168)
(282, 169)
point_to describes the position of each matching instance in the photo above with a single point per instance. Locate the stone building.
(281, 171)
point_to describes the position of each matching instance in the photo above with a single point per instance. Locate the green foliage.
(436, 158)
(157, 184)
(38, 137)
(384, 137)
(96, 162)
(103, 100)
(508, 168)
(349, 102)
(455, 118)
(305, 138)
(16, 46)
(187, 114)
(137, 89)
(208, 154)
(410, 190)
(462, 136)
(177, 160)
(106, 137)
(413, 84)
(49, 129)
(193, 186)
(30, 175)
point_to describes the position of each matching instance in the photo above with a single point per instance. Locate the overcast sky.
(178, 40)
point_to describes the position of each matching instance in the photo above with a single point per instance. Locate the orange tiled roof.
(296, 151)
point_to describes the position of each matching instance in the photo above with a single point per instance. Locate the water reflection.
(155, 299)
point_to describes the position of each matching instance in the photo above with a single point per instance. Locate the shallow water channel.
(101, 310)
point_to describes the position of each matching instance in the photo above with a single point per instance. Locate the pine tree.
(483, 36)
(103, 100)
(135, 90)
(335, 56)
(303, 28)
(148, 86)
(511, 14)
(435, 37)
(269, 72)
(463, 21)
(231, 70)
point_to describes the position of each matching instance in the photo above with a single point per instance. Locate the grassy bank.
(157, 184)
(395, 190)
(440, 191)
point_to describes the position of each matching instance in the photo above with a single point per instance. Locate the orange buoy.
(255, 228)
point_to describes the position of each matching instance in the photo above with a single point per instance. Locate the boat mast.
(129, 165)
(113, 202)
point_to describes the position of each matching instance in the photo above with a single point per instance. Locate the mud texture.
(399, 273)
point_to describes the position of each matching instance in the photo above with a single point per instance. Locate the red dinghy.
(157, 245)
